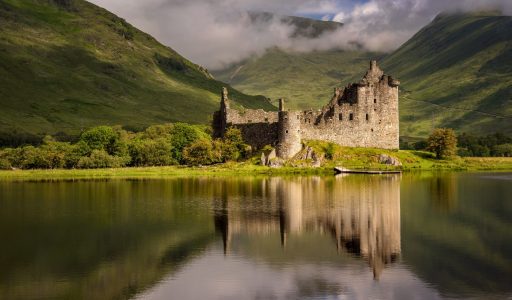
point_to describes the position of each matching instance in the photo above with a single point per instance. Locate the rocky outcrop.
(389, 160)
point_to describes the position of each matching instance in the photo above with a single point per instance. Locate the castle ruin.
(363, 114)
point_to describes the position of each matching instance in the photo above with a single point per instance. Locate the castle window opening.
(367, 117)
(341, 117)
(286, 131)
(351, 117)
(375, 100)
(266, 120)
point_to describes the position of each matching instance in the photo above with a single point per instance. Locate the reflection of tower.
(290, 208)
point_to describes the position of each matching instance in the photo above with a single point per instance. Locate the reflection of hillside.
(362, 214)
(94, 240)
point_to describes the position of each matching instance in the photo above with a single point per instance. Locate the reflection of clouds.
(362, 214)
(214, 276)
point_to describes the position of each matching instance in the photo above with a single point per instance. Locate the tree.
(184, 135)
(148, 152)
(199, 153)
(503, 150)
(442, 142)
(100, 138)
(233, 146)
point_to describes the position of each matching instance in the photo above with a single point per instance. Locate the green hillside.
(68, 64)
(306, 80)
(456, 72)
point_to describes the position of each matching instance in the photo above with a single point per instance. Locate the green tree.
(503, 150)
(182, 136)
(148, 152)
(198, 153)
(442, 142)
(233, 146)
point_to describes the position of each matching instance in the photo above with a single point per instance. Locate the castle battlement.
(363, 114)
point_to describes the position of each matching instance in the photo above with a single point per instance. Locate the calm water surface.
(421, 236)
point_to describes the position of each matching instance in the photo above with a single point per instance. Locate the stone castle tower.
(363, 114)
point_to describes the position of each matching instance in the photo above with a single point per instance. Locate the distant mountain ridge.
(304, 27)
(68, 64)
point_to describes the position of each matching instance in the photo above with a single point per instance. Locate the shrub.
(146, 152)
(503, 150)
(199, 153)
(184, 135)
(233, 146)
(5, 164)
(442, 142)
(330, 151)
(101, 159)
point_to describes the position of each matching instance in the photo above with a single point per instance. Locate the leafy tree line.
(110, 147)
(495, 145)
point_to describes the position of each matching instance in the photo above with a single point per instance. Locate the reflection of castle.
(361, 213)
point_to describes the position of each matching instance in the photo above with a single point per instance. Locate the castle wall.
(259, 128)
(372, 121)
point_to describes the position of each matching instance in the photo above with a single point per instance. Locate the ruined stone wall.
(259, 128)
(365, 115)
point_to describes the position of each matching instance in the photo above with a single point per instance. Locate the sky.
(217, 33)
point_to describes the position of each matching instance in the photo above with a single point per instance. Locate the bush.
(199, 153)
(330, 151)
(503, 150)
(184, 135)
(101, 159)
(233, 146)
(442, 142)
(5, 164)
(146, 152)
(110, 139)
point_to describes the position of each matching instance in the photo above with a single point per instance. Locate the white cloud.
(219, 32)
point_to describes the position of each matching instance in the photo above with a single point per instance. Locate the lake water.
(415, 236)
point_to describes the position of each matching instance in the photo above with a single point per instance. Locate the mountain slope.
(68, 64)
(305, 80)
(456, 72)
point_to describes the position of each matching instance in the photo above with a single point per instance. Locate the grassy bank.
(354, 158)
(229, 169)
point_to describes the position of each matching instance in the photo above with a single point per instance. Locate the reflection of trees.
(443, 190)
(94, 240)
(361, 213)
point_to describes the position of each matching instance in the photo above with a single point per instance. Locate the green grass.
(455, 72)
(64, 69)
(353, 158)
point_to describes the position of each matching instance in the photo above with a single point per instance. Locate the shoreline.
(247, 169)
